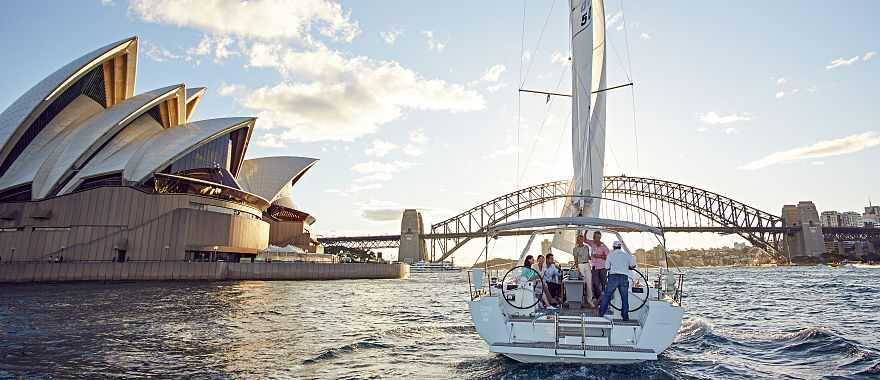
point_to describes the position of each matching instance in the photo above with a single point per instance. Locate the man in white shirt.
(619, 264)
(582, 258)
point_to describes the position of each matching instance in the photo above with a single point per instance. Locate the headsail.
(588, 111)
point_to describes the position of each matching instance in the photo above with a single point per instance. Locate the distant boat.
(867, 266)
(427, 267)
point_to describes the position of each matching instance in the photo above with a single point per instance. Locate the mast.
(587, 28)
(588, 109)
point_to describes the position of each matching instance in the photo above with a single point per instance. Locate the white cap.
(617, 244)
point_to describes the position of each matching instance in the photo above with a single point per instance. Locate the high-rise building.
(851, 219)
(871, 217)
(830, 219)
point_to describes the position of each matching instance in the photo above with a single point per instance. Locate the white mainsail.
(587, 112)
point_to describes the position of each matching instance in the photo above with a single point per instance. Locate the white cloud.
(270, 140)
(730, 131)
(493, 73)
(795, 91)
(841, 62)
(390, 37)
(610, 21)
(418, 136)
(620, 27)
(380, 148)
(258, 19)
(559, 58)
(869, 55)
(817, 163)
(433, 44)
(645, 36)
(219, 45)
(821, 149)
(107, 2)
(780, 94)
(702, 129)
(507, 151)
(496, 87)
(328, 95)
(157, 53)
(780, 81)
(229, 89)
(713, 118)
(377, 171)
(412, 150)
(527, 56)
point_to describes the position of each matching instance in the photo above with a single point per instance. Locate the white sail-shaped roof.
(162, 149)
(116, 153)
(18, 116)
(193, 96)
(84, 139)
(268, 176)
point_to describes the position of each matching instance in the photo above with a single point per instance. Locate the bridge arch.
(678, 206)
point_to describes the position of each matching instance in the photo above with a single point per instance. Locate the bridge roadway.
(393, 241)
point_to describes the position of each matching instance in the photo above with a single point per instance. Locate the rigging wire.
(631, 90)
(547, 115)
(537, 43)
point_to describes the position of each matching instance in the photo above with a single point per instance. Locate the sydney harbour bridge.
(680, 208)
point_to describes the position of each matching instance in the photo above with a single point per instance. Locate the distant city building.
(830, 219)
(871, 217)
(851, 219)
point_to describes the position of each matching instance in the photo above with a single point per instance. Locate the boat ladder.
(570, 321)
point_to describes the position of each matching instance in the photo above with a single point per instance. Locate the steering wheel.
(521, 277)
(645, 288)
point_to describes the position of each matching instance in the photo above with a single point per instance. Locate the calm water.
(740, 323)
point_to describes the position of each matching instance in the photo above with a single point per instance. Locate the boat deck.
(568, 312)
(551, 346)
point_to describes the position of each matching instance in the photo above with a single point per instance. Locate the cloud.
(527, 56)
(559, 58)
(496, 87)
(713, 118)
(645, 36)
(780, 94)
(841, 62)
(107, 2)
(730, 131)
(381, 211)
(390, 37)
(821, 149)
(157, 53)
(507, 151)
(270, 140)
(219, 45)
(433, 44)
(257, 19)
(328, 95)
(380, 148)
(412, 150)
(702, 129)
(869, 55)
(377, 171)
(610, 21)
(780, 81)
(418, 136)
(493, 73)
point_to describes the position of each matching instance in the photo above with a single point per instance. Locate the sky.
(412, 104)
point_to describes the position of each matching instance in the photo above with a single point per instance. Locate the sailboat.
(510, 314)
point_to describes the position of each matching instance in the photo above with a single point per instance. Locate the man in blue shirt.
(619, 265)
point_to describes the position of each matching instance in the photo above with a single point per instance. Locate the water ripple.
(782, 323)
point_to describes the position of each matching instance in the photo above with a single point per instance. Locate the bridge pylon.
(412, 245)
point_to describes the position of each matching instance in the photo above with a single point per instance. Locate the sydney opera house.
(92, 172)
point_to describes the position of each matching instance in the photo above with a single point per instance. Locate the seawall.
(195, 271)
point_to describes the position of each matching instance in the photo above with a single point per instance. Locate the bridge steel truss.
(698, 210)
(682, 208)
(481, 217)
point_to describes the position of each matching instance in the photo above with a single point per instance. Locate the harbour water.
(797, 322)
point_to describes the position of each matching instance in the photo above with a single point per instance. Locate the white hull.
(530, 337)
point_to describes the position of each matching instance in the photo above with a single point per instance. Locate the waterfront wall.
(195, 271)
